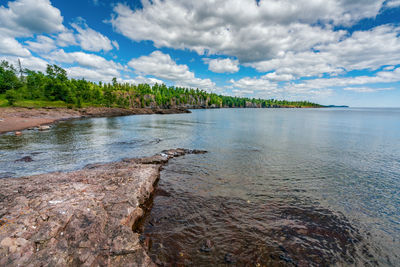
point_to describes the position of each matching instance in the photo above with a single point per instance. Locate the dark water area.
(279, 187)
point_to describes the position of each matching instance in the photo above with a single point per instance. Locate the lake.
(277, 186)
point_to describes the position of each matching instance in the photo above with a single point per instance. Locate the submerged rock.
(207, 246)
(228, 258)
(83, 217)
(25, 159)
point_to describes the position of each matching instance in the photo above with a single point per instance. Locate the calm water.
(278, 186)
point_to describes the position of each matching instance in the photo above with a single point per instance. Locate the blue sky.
(330, 52)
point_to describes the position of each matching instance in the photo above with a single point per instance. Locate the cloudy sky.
(327, 51)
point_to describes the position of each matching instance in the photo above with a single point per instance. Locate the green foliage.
(12, 96)
(8, 77)
(54, 88)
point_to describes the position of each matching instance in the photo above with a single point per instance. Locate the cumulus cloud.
(273, 76)
(163, 66)
(91, 74)
(141, 79)
(27, 17)
(86, 60)
(90, 39)
(43, 44)
(352, 53)
(393, 3)
(255, 84)
(30, 62)
(66, 38)
(10, 46)
(267, 29)
(366, 89)
(379, 77)
(222, 65)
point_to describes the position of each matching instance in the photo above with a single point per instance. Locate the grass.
(41, 103)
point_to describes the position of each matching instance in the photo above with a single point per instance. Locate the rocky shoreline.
(16, 119)
(79, 218)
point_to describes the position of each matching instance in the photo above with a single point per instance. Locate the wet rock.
(79, 218)
(207, 246)
(287, 259)
(44, 127)
(25, 159)
(228, 258)
(6, 174)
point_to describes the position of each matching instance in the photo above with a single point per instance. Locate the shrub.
(12, 96)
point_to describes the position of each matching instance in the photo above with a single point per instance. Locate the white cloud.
(366, 89)
(162, 66)
(66, 38)
(352, 53)
(255, 84)
(140, 79)
(43, 44)
(27, 17)
(115, 44)
(392, 3)
(273, 76)
(30, 62)
(221, 65)
(10, 46)
(90, 39)
(85, 60)
(265, 30)
(91, 74)
(326, 83)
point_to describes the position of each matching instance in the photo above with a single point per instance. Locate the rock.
(287, 259)
(228, 258)
(79, 218)
(43, 127)
(18, 133)
(25, 159)
(206, 247)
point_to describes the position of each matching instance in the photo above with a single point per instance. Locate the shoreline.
(17, 119)
(84, 217)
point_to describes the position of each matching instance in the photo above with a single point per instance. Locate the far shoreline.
(14, 119)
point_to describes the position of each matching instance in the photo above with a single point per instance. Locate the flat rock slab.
(80, 218)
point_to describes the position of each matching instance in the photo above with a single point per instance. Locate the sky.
(343, 52)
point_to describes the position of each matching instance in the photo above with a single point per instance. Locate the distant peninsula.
(334, 106)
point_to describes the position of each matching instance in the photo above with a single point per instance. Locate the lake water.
(278, 186)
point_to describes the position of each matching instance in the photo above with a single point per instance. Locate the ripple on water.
(269, 233)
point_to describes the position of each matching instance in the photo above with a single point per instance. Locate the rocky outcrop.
(79, 218)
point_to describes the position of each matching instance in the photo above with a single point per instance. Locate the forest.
(24, 87)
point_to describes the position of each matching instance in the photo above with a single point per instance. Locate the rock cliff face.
(80, 218)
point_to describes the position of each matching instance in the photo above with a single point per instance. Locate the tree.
(8, 78)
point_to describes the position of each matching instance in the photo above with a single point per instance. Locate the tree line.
(54, 85)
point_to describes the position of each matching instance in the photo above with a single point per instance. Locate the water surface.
(278, 186)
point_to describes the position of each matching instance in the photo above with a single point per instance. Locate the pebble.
(229, 258)
(44, 127)
(18, 133)
(206, 247)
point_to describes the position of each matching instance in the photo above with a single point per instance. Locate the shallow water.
(278, 186)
